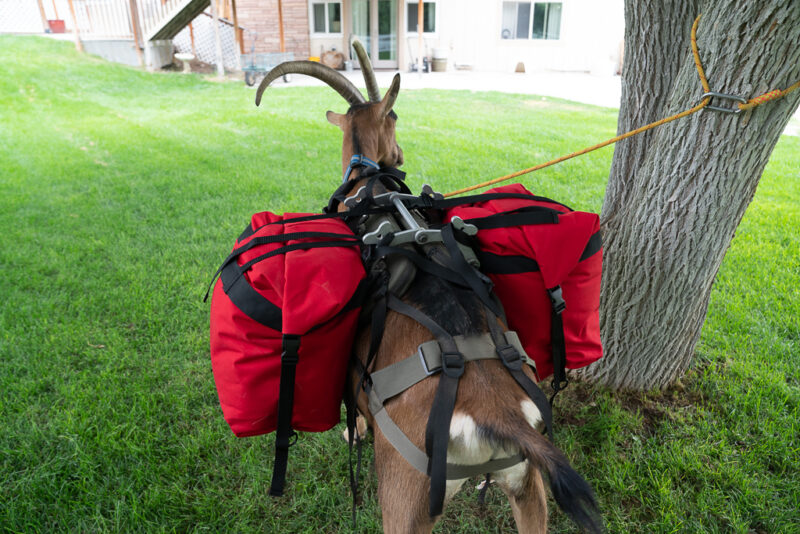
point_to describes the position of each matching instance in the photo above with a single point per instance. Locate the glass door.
(375, 25)
(386, 52)
(361, 25)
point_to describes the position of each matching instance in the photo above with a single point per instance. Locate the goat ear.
(391, 95)
(336, 119)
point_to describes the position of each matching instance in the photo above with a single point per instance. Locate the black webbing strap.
(423, 264)
(557, 342)
(297, 246)
(485, 197)
(305, 218)
(351, 418)
(437, 431)
(279, 238)
(284, 433)
(521, 217)
(594, 246)
(247, 299)
(459, 264)
(499, 264)
(378, 322)
(389, 177)
(513, 362)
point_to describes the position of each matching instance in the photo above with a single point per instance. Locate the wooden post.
(420, 22)
(237, 34)
(89, 18)
(137, 31)
(76, 31)
(191, 37)
(280, 25)
(217, 39)
(42, 12)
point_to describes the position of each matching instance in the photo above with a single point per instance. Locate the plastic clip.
(452, 364)
(510, 357)
(557, 300)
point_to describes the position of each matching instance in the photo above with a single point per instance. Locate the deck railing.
(153, 13)
(95, 18)
(112, 18)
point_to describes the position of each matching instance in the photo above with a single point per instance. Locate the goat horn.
(391, 95)
(369, 75)
(334, 79)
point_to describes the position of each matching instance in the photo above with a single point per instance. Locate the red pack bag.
(545, 261)
(283, 320)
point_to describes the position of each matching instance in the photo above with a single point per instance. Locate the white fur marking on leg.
(512, 478)
(531, 413)
(466, 448)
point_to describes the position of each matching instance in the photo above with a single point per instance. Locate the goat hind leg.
(528, 502)
(403, 492)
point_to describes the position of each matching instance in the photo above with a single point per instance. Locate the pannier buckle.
(291, 347)
(557, 300)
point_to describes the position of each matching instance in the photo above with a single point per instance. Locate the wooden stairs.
(164, 19)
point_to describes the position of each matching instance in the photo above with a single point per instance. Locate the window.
(429, 11)
(326, 17)
(519, 24)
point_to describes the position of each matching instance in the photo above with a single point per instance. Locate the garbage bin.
(439, 59)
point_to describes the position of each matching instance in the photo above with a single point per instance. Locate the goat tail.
(571, 492)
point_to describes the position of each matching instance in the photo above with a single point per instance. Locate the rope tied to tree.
(766, 97)
(741, 106)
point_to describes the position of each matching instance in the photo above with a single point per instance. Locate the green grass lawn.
(120, 191)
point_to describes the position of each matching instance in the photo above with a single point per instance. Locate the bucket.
(348, 65)
(56, 25)
(439, 64)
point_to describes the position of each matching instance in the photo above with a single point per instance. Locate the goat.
(493, 416)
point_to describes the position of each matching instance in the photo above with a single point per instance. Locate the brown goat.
(493, 416)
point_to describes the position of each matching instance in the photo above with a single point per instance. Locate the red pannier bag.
(545, 261)
(283, 318)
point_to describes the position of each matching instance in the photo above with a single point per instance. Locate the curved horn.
(391, 95)
(336, 80)
(369, 75)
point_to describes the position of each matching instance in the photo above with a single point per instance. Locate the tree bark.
(676, 195)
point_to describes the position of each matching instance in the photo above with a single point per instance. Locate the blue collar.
(358, 161)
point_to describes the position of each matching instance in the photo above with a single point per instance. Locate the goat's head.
(368, 127)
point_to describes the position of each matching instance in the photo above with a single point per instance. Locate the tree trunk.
(676, 195)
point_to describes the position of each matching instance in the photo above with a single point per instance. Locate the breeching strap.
(743, 105)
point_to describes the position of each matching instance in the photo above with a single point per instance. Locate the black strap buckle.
(453, 364)
(510, 357)
(557, 300)
(291, 347)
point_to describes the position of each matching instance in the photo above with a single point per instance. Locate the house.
(570, 35)
(488, 35)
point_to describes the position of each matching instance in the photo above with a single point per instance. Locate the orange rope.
(772, 95)
(766, 97)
